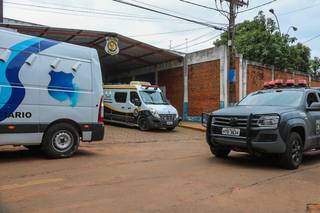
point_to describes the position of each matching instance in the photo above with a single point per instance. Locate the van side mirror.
(137, 102)
(315, 106)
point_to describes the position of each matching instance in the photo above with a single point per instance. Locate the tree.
(315, 67)
(260, 40)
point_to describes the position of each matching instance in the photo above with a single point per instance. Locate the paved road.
(133, 171)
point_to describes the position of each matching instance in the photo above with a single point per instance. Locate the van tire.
(61, 141)
(143, 124)
(33, 147)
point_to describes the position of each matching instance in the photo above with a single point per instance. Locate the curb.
(193, 128)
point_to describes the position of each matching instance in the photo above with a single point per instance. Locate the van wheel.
(143, 124)
(61, 141)
(33, 147)
(170, 128)
(292, 158)
(219, 151)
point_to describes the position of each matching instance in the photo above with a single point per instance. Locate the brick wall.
(315, 83)
(173, 81)
(257, 75)
(204, 87)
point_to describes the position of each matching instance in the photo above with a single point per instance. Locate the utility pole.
(232, 14)
(1, 11)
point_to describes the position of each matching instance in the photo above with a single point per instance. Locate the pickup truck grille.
(234, 121)
(239, 122)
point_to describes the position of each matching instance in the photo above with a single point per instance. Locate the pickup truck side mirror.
(315, 106)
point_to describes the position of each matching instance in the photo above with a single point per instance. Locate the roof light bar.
(289, 83)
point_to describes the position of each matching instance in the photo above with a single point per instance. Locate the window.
(120, 97)
(134, 96)
(312, 97)
(273, 98)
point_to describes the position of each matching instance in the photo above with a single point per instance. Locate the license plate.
(231, 131)
(169, 123)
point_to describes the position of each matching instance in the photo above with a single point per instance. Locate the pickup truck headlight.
(269, 121)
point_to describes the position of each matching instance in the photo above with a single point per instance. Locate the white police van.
(139, 104)
(50, 94)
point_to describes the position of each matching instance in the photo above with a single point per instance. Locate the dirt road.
(133, 171)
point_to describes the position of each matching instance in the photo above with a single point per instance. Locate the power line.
(95, 9)
(202, 42)
(170, 32)
(167, 14)
(203, 6)
(311, 39)
(172, 11)
(261, 5)
(80, 11)
(194, 39)
(298, 10)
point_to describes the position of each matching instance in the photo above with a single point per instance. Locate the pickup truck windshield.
(153, 97)
(273, 98)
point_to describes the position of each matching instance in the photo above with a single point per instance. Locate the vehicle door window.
(120, 97)
(133, 97)
(312, 97)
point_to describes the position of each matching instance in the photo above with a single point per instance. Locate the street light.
(272, 11)
(292, 27)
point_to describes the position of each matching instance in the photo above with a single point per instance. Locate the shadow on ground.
(21, 154)
(270, 163)
(136, 128)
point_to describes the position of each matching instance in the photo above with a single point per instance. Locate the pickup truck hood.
(247, 110)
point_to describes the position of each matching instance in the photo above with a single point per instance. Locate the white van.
(50, 94)
(139, 104)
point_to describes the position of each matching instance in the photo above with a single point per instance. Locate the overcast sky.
(160, 30)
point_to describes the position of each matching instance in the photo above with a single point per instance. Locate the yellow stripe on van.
(113, 109)
(119, 87)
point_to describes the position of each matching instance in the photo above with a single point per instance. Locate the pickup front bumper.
(251, 139)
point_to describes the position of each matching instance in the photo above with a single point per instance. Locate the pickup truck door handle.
(129, 107)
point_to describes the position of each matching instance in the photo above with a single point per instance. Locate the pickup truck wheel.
(61, 141)
(220, 152)
(143, 124)
(292, 158)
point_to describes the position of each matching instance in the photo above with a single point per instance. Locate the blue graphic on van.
(62, 88)
(13, 92)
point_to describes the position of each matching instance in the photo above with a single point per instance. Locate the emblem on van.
(62, 88)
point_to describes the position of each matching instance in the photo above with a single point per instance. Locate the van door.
(119, 113)
(19, 94)
(133, 108)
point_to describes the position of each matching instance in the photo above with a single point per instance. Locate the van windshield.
(153, 97)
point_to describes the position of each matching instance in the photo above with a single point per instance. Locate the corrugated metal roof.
(133, 54)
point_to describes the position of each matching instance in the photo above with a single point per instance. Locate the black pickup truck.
(283, 122)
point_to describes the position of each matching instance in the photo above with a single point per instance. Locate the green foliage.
(315, 67)
(260, 40)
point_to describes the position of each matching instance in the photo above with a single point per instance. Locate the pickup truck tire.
(220, 152)
(61, 141)
(292, 158)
